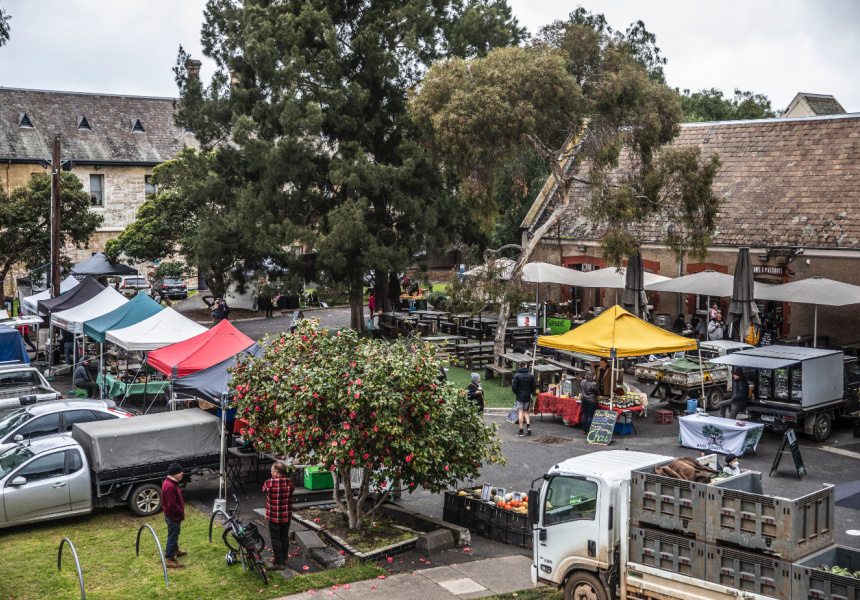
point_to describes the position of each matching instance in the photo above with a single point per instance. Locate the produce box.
(749, 572)
(674, 553)
(812, 582)
(318, 479)
(668, 503)
(741, 514)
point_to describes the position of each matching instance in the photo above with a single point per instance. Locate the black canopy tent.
(98, 266)
(85, 291)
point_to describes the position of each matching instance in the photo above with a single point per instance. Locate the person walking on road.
(279, 511)
(174, 513)
(740, 395)
(523, 386)
(588, 398)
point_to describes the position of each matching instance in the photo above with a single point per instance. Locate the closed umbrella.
(743, 309)
(634, 299)
(815, 290)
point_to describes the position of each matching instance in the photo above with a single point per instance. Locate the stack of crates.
(730, 533)
(663, 417)
(487, 520)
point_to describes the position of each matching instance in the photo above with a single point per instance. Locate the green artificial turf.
(105, 543)
(495, 396)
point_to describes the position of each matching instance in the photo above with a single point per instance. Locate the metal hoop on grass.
(160, 553)
(77, 563)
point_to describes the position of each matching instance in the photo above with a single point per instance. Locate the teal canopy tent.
(136, 310)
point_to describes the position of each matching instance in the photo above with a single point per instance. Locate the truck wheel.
(583, 586)
(145, 500)
(714, 399)
(821, 427)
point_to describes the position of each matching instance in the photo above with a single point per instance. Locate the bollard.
(77, 563)
(137, 550)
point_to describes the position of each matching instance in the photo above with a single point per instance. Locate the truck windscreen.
(13, 458)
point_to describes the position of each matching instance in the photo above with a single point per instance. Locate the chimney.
(192, 69)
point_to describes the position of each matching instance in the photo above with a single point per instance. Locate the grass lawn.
(111, 571)
(495, 396)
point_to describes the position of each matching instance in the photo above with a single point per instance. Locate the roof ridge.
(853, 115)
(12, 89)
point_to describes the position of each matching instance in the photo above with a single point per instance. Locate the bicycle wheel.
(259, 567)
(227, 536)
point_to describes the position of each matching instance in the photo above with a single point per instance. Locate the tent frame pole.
(222, 483)
(815, 329)
(702, 376)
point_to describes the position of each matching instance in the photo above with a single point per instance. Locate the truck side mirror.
(18, 438)
(534, 511)
(18, 481)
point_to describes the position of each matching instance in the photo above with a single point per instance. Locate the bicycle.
(248, 542)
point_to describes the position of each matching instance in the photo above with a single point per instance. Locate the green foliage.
(5, 17)
(358, 404)
(312, 96)
(710, 105)
(171, 270)
(486, 289)
(25, 222)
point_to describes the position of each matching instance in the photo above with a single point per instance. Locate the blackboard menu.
(796, 383)
(767, 338)
(602, 427)
(780, 390)
(765, 384)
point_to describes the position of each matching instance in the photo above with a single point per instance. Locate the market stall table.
(116, 387)
(571, 409)
(715, 434)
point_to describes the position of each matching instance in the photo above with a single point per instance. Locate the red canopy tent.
(195, 354)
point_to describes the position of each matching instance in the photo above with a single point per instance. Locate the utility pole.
(55, 217)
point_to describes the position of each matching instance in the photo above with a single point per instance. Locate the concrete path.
(470, 580)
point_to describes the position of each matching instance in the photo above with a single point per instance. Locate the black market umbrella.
(634, 299)
(98, 266)
(743, 309)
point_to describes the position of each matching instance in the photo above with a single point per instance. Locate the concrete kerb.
(391, 550)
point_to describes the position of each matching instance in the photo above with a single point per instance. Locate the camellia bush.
(348, 404)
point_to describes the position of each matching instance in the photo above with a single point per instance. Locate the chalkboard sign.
(602, 427)
(767, 338)
(790, 440)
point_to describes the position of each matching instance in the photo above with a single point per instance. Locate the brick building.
(791, 191)
(112, 141)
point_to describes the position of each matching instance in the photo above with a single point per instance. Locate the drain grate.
(552, 440)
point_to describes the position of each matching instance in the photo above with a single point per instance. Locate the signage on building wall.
(760, 270)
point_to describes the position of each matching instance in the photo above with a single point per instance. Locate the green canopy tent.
(134, 311)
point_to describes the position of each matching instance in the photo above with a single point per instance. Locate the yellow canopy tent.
(615, 334)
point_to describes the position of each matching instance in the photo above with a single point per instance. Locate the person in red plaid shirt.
(279, 511)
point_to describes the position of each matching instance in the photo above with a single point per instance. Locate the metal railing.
(63, 542)
(137, 551)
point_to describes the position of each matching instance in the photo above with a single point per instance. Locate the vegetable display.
(836, 570)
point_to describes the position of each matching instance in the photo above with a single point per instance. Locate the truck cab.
(580, 517)
(46, 479)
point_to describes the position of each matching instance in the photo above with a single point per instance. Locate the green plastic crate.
(318, 479)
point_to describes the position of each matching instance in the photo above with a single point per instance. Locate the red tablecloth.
(569, 408)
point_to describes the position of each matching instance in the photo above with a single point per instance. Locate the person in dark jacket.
(590, 314)
(84, 380)
(475, 393)
(588, 398)
(174, 513)
(740, 395)
(523, 386)
(218, 313)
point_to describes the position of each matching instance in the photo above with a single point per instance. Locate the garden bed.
(379, 538)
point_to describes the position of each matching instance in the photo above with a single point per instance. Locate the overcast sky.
(773, 47)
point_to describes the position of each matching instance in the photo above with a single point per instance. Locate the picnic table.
(451, 339)
(515, 358)
(545, 375)
(474, 352)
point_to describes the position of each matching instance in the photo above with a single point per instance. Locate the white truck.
(22, 385)
(674, 379)
(606, 527)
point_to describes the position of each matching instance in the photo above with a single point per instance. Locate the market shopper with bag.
(475, 393)
(588, 399)
(523, 386)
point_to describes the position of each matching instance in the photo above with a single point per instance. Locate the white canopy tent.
(72, 320)
(162, 329)
(30, 304)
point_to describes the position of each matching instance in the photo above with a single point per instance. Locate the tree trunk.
(528, 249)
(356, 304)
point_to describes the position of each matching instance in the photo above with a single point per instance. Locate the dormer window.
(24, 121)
(188, 129)
(137, 127)
(83, 125)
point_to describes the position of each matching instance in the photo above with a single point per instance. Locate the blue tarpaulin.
(12, 346)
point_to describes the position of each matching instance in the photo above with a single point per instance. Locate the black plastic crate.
(499, 534)
(464, 519)
(520, 538)
(480, 528)
(449, 515)
(519, 522)
(453, 501)
(499, 516)
(483, 511)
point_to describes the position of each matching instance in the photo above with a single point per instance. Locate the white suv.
(131, 285)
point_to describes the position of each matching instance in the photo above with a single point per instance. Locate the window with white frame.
(97, 190)
(148, 186)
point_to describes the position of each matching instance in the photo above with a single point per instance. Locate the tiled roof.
(785, 182)
(110, 118)
(824, 105)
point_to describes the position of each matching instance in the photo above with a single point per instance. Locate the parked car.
(172, 288)
(131, 285)
(22, 385)
(54, 418)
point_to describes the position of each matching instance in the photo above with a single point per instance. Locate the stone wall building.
(112, 141)
(791, 192)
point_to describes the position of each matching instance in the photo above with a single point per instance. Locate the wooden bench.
(478, 359)
(490, 371)
(389, 330)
